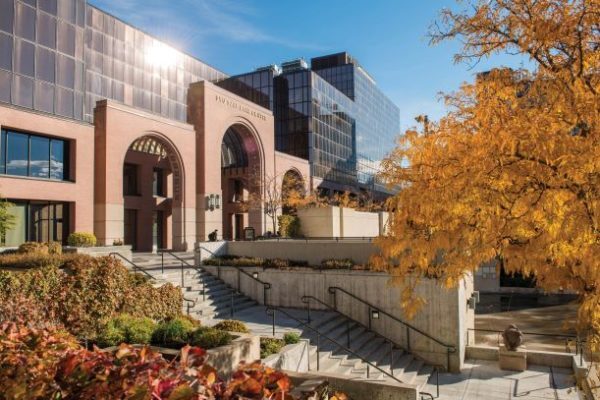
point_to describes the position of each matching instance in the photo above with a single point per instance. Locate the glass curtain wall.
(39, 221)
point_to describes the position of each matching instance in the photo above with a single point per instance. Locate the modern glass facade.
(61, 56)
(332, 115)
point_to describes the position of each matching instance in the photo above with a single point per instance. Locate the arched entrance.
(293, 189)
(153, 180)
(242, 176)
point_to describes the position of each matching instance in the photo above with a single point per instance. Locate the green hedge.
(173, 333)
(81, 239)
(127, 329)
(231, 325)
(210, 337)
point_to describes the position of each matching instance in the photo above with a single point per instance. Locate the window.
(46, 29)
(40, 221)
(6, 50)
(25, 26)
(23, 154)
(24, 57)
(45, 64)
(7, 15)
(130, 180)
(158, 185)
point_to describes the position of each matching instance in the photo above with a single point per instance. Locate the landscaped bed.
(278, 263)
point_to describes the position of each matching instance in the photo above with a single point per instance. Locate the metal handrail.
(134, 265)
(449, 348)
(325, 238)
(138, 268)
(271, 312)
(240, 270)
(306, 300)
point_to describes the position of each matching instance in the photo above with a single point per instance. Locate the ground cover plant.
(48, 363)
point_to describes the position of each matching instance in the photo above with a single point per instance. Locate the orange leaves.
(512, 170)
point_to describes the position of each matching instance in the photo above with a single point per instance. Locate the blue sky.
(388, 37)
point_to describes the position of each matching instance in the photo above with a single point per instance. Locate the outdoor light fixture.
(213, 201)
(255, 275)
(375, 314)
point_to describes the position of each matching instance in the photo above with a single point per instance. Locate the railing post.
(437, 382)
(348, 332)
(273, 322)
(318, 351)
(231, 312)
(162, 262)
(182, 278)
(308, 311)
(238, 279)
(203, 290)
(369, 316)
(392, 358)
(448, 359)
(368, 370)
(407, 338)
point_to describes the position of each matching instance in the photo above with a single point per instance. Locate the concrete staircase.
(216, 300)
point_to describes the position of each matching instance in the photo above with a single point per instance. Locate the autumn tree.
(512, 172)
(273, 193)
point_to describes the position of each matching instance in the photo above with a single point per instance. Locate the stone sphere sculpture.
(513, 337)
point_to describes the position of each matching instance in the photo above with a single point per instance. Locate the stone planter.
(100, 251)
(225, 359)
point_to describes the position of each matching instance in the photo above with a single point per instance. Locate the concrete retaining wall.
(445, 316)
(226, 359)
(332, 222)
(547, 358)
(100, 251)
(313, 251)
(359, 389)
(293, 357)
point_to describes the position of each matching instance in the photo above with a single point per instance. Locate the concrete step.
(423, 376)
(411, 371)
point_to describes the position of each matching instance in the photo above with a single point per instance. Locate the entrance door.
(157, 230)
(131, 228)
(239, 226)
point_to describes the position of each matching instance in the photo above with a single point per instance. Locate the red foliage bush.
(49, 364)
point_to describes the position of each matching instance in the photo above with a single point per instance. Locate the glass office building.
(332, 114)
(61, 56)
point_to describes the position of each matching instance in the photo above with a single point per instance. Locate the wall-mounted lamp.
(255, 275)
(213, 201)
(374, 314)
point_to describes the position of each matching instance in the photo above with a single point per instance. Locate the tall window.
(130, 180)
(158, 184)
(24, 154)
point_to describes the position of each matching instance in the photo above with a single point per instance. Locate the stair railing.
(449, 348)
(137, 268)
(306, 300)
(254, 276)
(271, 311)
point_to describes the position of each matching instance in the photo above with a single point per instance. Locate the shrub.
(289, 225)
(231, 325)
(270, 346)
(82, 239)
(33, 248)
(208, 338)
(127, 329)
(291, 338)
(83, 293)
(337, 264)
(50, 364)
(173, 333)
(54, 248)
(277, 263)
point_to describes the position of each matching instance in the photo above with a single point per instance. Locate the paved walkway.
(484, 380)
(558, 320)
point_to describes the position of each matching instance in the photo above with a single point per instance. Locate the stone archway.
(124, 134)
(241, 181)
(153, 181)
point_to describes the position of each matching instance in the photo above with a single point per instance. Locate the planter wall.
(100, 251)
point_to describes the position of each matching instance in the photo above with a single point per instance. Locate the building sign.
(240, 107)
